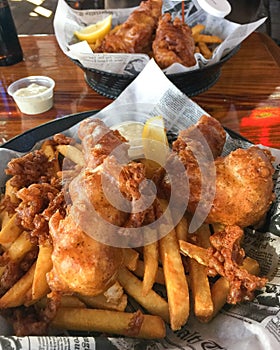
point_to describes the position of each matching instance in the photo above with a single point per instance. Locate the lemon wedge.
(155, 143)
(94, 32)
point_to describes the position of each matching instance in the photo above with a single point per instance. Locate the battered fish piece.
(99, 141)
(87, 252)
(135, 35)
(173, 43)
(240, 184)
(233, 190)
(80, 263)
(208, 129)
(244, 187)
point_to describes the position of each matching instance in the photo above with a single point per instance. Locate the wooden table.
(248, 81)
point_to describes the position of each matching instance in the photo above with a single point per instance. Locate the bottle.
(10, 49)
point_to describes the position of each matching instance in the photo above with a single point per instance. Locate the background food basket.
(191, 83)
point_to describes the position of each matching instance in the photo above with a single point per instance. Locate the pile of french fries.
(169, 262)
(204, 43)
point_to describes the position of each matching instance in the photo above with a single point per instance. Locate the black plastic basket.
(191, 83)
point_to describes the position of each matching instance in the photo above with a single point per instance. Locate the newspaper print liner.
(253, 324)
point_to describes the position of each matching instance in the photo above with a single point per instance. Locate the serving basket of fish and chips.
(199, 283)
(189, 45)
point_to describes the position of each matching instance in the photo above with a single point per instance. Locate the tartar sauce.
(34, 98)
(31, 90)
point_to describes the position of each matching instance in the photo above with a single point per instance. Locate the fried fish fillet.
(135, 35)
(173, 43)
(236, 189)
(241, 183)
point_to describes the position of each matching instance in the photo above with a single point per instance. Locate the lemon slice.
(155, 143)
(96, 31)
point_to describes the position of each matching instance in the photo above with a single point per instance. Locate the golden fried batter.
(242, 183)
(80, 263)
(135, 35)
(173, 43)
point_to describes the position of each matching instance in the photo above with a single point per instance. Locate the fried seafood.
(98, 142)
(54, 262)
(207, 129)
(106, 155)
(225, 257)
(85, 240)
(244, 184)
(173, 43)
(136, 33)
(242, 188)
(80, 263)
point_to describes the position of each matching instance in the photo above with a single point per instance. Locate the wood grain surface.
(246, 97)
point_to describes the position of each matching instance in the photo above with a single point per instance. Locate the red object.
(263, 120)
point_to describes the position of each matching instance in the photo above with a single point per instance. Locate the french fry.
(175, 278)
(40, 286)
(195, 252)
(196, 49)
(9, 232)
(220, 288)
(16, 295)
(112, 322)
(11, 191)
(203, 41)
(51, 153)
(175, 281)
(203, 304)
(139, 271)
(112, 299)
(72, 153)
(197, 29)
(4, 218)
(20, 247)
(204, 50)
(131, 257)
(152, 302)
(203, 234)
(2, 269)
(162, 262)
(100, 302)
(70, 301)
(151, 254)
(182, 229)
(208, 39)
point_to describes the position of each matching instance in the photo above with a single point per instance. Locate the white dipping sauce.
(34, 99)
(31, 90)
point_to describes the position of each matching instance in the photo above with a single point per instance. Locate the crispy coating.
(244, 187)
(242, 184)
(99, 142)
(225, 258)
(85, 255)
(206, 128)
(80, 263)
(136, 33)
(173, 43)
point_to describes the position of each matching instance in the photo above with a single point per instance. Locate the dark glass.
(10, 49)
(86, 4)
(244, 11)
